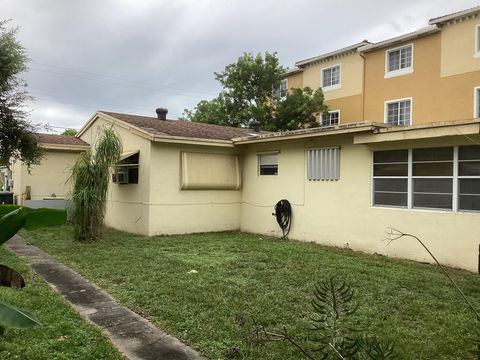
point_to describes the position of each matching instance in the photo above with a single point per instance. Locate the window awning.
(128, 154)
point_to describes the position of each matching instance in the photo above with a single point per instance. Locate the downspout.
(363, 85)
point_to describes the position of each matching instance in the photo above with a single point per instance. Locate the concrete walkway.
(132, 334)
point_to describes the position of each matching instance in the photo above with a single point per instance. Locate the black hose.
(283, 213)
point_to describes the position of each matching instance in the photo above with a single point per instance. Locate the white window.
(268, 164)
(331, 78)
(398, 112)
(476, 102)
(477, 40)
(323, 164)
(281, 90)
(434, 178)
(399, 61)
(332, 119)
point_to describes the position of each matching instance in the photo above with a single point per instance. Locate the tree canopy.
(69, 132)
(17, 135)
(249, 94)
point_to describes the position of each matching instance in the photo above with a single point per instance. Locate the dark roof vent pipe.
(161, 113)
(255, 125)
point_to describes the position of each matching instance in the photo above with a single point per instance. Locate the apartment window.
(445, 178)
(281, 90)
(332, 119)
(331, 78)
(126, 170)
(477, 40)
(476, 102)
(268, 164)
(398, 112)
(399, 61)
(323, 164)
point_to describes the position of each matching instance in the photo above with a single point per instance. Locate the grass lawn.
(271, 280)
(63, 334)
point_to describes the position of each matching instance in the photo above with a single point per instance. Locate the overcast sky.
(136, 55)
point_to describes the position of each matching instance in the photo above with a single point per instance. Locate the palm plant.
(90, 177)
(12, 219)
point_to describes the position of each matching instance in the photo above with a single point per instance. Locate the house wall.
(441, 85)
(175, 211)
(128, 204)
(339, 213)
(295, 81)
(48, 178)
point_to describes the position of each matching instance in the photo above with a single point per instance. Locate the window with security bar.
(323, 164)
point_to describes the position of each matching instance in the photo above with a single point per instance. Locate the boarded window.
(203, 171)
(323, 164)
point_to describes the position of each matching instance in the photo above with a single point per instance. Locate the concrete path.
(133, 335)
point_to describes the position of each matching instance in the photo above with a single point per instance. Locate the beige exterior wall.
(339, 213)
(295, 81)
(351, 78)
(128, 205)
(175, 211)
(458, 48)
(434, 98)
(351, 108)
(46, 179)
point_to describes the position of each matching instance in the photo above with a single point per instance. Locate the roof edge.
(332, 53)
(431, 29)
(454, 16)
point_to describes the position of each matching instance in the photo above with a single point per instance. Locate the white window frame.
(268, 153)
(476, 102)
(399, 72)
(335, 86)
(476, 54)
(330, 111)
(278, 91)
(455, 185)
(385, 110)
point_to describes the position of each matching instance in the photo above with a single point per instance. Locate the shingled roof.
(181, 128)
(53, 139)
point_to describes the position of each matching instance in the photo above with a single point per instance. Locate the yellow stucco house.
(400, 148)
(47, 182)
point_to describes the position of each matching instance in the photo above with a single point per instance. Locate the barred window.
(323, 164)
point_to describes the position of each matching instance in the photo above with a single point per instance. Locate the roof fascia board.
(65, 147)
(432, 29)
(384, 135)
(287, 136)
(192, 141)
(332, 54)
(458, 15)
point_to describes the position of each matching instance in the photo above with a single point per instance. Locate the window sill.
(427, 210)
(401, 72)
(331, 88)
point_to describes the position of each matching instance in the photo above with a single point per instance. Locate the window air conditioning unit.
(120, 176)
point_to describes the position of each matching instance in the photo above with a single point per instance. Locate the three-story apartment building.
(430, 75)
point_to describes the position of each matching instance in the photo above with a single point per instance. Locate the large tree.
(248, 94)
(17, 135)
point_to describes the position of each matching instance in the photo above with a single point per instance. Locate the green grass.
(63, 334)
(271, 280)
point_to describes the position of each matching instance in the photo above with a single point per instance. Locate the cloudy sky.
(136, 55)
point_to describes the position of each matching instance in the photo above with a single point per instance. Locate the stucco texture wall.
(434, 98)
(174, 211)
(128, 204)
(340, 213)
(46, 179)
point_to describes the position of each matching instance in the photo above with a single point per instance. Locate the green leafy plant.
(90, 177)
(12, 219)
(337, 337)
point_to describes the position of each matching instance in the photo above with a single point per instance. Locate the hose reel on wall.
(283, 214)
